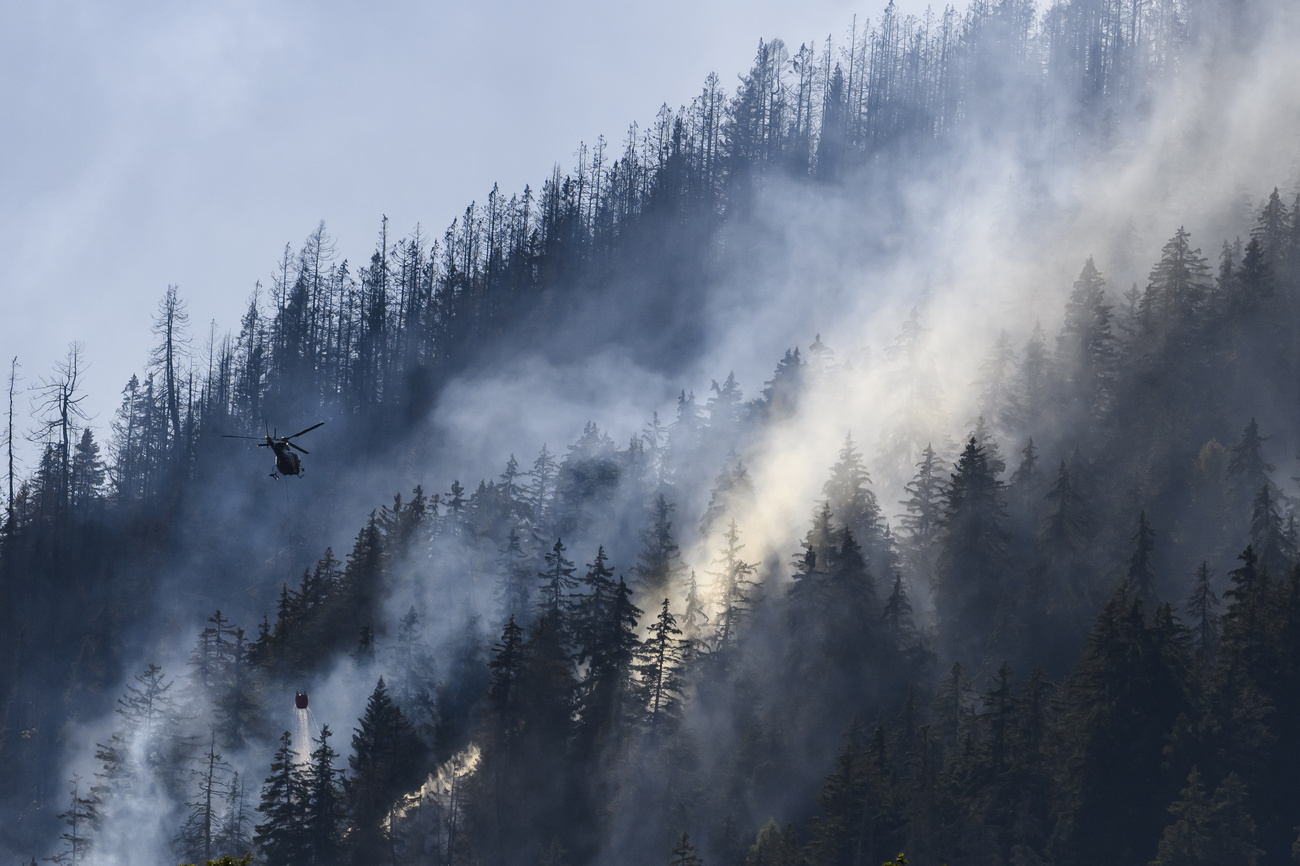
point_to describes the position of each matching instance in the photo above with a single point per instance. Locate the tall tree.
(387, 756)
(659, 564)
(661, 667)
(211, 778)
(280, 836)
(324, 807)
(973, 586)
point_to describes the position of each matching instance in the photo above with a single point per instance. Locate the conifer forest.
(929, 480)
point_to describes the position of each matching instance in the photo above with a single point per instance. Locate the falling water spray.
(301, 729)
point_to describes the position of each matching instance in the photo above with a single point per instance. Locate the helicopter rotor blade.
(296, 448)
(232, 436)
(300, 432)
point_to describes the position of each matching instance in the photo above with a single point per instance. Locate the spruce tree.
(202, 825)
(557, 583)
(684, 853)
(734, 588)
(659, 564)
(972, 582)
(1203, 617)
(324, 808)
(1209, 832)
(386, 759)
(1140, 578)
(660, 668)
(79, 818)
(280, 836)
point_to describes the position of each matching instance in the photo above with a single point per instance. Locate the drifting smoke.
(907, 270)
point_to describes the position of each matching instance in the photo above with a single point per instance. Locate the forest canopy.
(1022, 585)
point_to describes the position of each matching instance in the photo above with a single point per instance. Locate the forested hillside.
(994, 566)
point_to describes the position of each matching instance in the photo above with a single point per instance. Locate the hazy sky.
(156, 143)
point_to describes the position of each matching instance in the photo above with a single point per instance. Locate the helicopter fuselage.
(286, 462)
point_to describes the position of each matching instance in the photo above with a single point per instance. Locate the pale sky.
(148, 143)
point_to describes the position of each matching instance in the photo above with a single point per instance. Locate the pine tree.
(1209, 832)
(972, 585)
(1176, 292)
(1268, 535)
(659, 564)
(1120, 704)
(233, 831)
(1248, 471)
(197, 837)
(1271, 231)
(1087, 345)
(516, 578)
(734, 589)
(386, 758)
(924, 513)
(591, 608)
(324, 806)
(684, 853)
(660, 668)
(732, 491)
(1203, 617)
(557, 583)
(280, 836)
(780, 395)
(900, 625)
(541, 489)
(849, 496)
(606, 694)
(773, 847)
(148, 710)
(80, 819)
(87, 474)
(842, 835)
(694, 618)
(1140, 579)
(997, 399)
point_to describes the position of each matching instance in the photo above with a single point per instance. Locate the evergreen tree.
(694, 618)
(233, 831)
(1120, 704)
(1203, 616)
(849, 496)
(323, 801)
(79, 818)
(591, 609)
(732, 491)
(659, 564)
(773, 847)
(684, 853)
(606, 694)
(1140, 579)
(1209, 831)
(280, 837)
(660, 667)
(516, 578)
(1087, 345)
(198, 835)
(1248, 471)
(780, 396)
(1268, 535)
(734, 589)
(557, 582)
(972, 584)
(843, 834)
(386, 758)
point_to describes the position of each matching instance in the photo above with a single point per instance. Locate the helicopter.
(286, 462)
